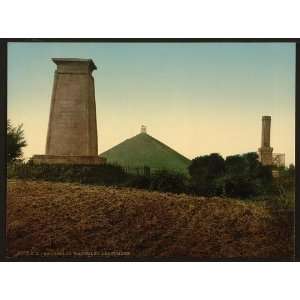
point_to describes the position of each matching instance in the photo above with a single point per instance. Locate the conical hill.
(144, 150)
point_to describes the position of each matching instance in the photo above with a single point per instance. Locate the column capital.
(74, 65)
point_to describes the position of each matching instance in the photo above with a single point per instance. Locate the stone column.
(72, 127)
(265, 133)
(265, 152)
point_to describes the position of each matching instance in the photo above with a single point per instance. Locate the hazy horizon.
(197, 98)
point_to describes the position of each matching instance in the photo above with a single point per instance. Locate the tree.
(246, 176)
(234, 164)
(206, 172)
(15, 142)
(207, 166)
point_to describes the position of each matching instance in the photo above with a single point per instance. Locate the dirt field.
(59, 219)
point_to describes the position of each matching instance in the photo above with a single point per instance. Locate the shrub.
(206, 175)
(166, 181)
(139, 181)
(246, 176)
(240, 186)
(282, 191)
(284, 200)
(213, 187)
(238, 176)
(207, 166)
(284, 183)
(106, 174)
(15, 142)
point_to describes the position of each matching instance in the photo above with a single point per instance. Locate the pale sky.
(197, 98)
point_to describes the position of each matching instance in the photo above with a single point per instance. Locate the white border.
(155, 18)
(145, 281)
(149, 19)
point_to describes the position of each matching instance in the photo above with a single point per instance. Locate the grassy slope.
(59, 218)
(142, 150)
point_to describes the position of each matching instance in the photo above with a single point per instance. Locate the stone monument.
(265, 151)
(143, 129)
(72, 127)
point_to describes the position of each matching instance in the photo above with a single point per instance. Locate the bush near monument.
(283, 189)
(105, 174)
(15, 142)
(165, 181)
(237, 176)
(205, 172)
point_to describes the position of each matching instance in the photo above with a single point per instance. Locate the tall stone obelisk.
(265, 151)
(72, 127)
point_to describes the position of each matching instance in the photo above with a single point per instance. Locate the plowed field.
(61, 219)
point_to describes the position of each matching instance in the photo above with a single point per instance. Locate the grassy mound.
(71, 219)
(144, 150)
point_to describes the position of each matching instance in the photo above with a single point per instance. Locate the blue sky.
(196, 97)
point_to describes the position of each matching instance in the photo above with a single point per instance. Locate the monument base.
(66, 159)
(265, 156)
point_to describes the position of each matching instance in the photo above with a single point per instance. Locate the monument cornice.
(74, 62)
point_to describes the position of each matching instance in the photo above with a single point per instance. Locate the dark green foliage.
(106, 174)
(291, 171)
(205, 172)
(282, 192)
(245, 165)
(238, 176)
(245, 176)
(239, 186)
(285, 181)
(15, 142)
(96, 174)
(207, 166)
(138, 181)
(165, 181)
